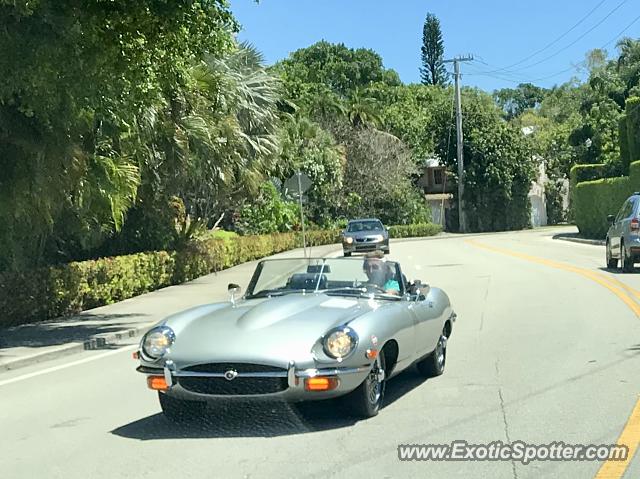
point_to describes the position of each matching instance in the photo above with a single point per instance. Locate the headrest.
(307, 281)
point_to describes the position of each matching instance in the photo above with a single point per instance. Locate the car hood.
(272, 330)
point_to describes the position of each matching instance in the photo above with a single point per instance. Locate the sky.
(513, 41)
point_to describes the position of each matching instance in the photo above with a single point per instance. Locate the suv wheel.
(611, 261)
(626, 263)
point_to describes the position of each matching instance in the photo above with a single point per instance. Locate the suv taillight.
(635, 225)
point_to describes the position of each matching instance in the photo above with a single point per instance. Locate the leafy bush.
(594, 200)
(269, 213)
(416, 230)
(553, 198)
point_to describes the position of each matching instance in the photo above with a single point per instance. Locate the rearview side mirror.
(420, 290)
(611, 219)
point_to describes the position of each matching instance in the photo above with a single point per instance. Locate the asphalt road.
(546, 348)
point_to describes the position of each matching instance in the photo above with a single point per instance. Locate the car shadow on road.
(259, 419)
(618, 271)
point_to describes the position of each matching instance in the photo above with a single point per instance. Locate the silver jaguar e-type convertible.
(306, 329)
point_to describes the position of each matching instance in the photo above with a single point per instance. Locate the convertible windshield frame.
(347, 287)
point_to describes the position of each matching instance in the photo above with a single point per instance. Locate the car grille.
(239, 386)
(239, 367)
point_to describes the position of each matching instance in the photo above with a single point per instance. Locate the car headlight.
(378, 238)
(348, 239)
(157, 342)
(339, 343)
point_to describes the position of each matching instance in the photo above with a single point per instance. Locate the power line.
(570, 44)
(546, 47)
(546, 77)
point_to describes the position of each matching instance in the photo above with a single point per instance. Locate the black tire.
(178, 410)
(365, 401)
(626, 263)
(612, 263)
(347, 255)
(387, 250)
(433, 365)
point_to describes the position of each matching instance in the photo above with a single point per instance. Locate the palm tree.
(226, 138)
(629, 62)
(363, 111)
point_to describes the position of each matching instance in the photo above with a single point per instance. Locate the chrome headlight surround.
(340, 343)
(156, 342)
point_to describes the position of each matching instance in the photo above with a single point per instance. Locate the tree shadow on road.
(52, 333)
(260, 419)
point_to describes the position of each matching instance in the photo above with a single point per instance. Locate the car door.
(627, 215)
(616, 230)
(428, 323)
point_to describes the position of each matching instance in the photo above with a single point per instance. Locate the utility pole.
(304, 236)
(456, 65)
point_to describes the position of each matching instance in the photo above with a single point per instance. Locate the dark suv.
(365, 235)
(623, 237)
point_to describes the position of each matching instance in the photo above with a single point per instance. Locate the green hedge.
(416, 230)
(47, 293)
(580, 173)
(594, 200)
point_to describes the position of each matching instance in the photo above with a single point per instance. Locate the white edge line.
(67, 365)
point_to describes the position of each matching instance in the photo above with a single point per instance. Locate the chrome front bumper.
(348, 380)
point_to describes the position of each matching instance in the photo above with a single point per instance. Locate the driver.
(380, 274)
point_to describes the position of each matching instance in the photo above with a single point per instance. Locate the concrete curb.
(576, 239)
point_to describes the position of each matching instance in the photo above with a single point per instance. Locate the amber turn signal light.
(371, 353)
(321, 384)
(157, 383)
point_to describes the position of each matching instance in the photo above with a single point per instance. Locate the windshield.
(340, 276)
(364, 226)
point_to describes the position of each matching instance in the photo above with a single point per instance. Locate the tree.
(628, 64)
(499, 165)
(216, 142)
(433, 71)
(377, 177)
(340, 68)
(515, 101)
(76, 83)
(363, 111)
(306, 146)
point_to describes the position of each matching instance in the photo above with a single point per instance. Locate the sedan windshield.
(364, 226)
(338, 276)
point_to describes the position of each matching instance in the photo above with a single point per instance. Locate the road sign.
(294, 184)
(298, 184)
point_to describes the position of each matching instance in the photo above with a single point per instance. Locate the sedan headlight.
(348, 239)
(339, 343)
(157, 342)
(378, 238)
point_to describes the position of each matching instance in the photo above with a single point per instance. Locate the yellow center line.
(630, 435)
(613, 280)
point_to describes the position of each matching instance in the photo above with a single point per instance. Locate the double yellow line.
(630, 435)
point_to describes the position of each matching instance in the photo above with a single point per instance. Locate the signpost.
(299, 183)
